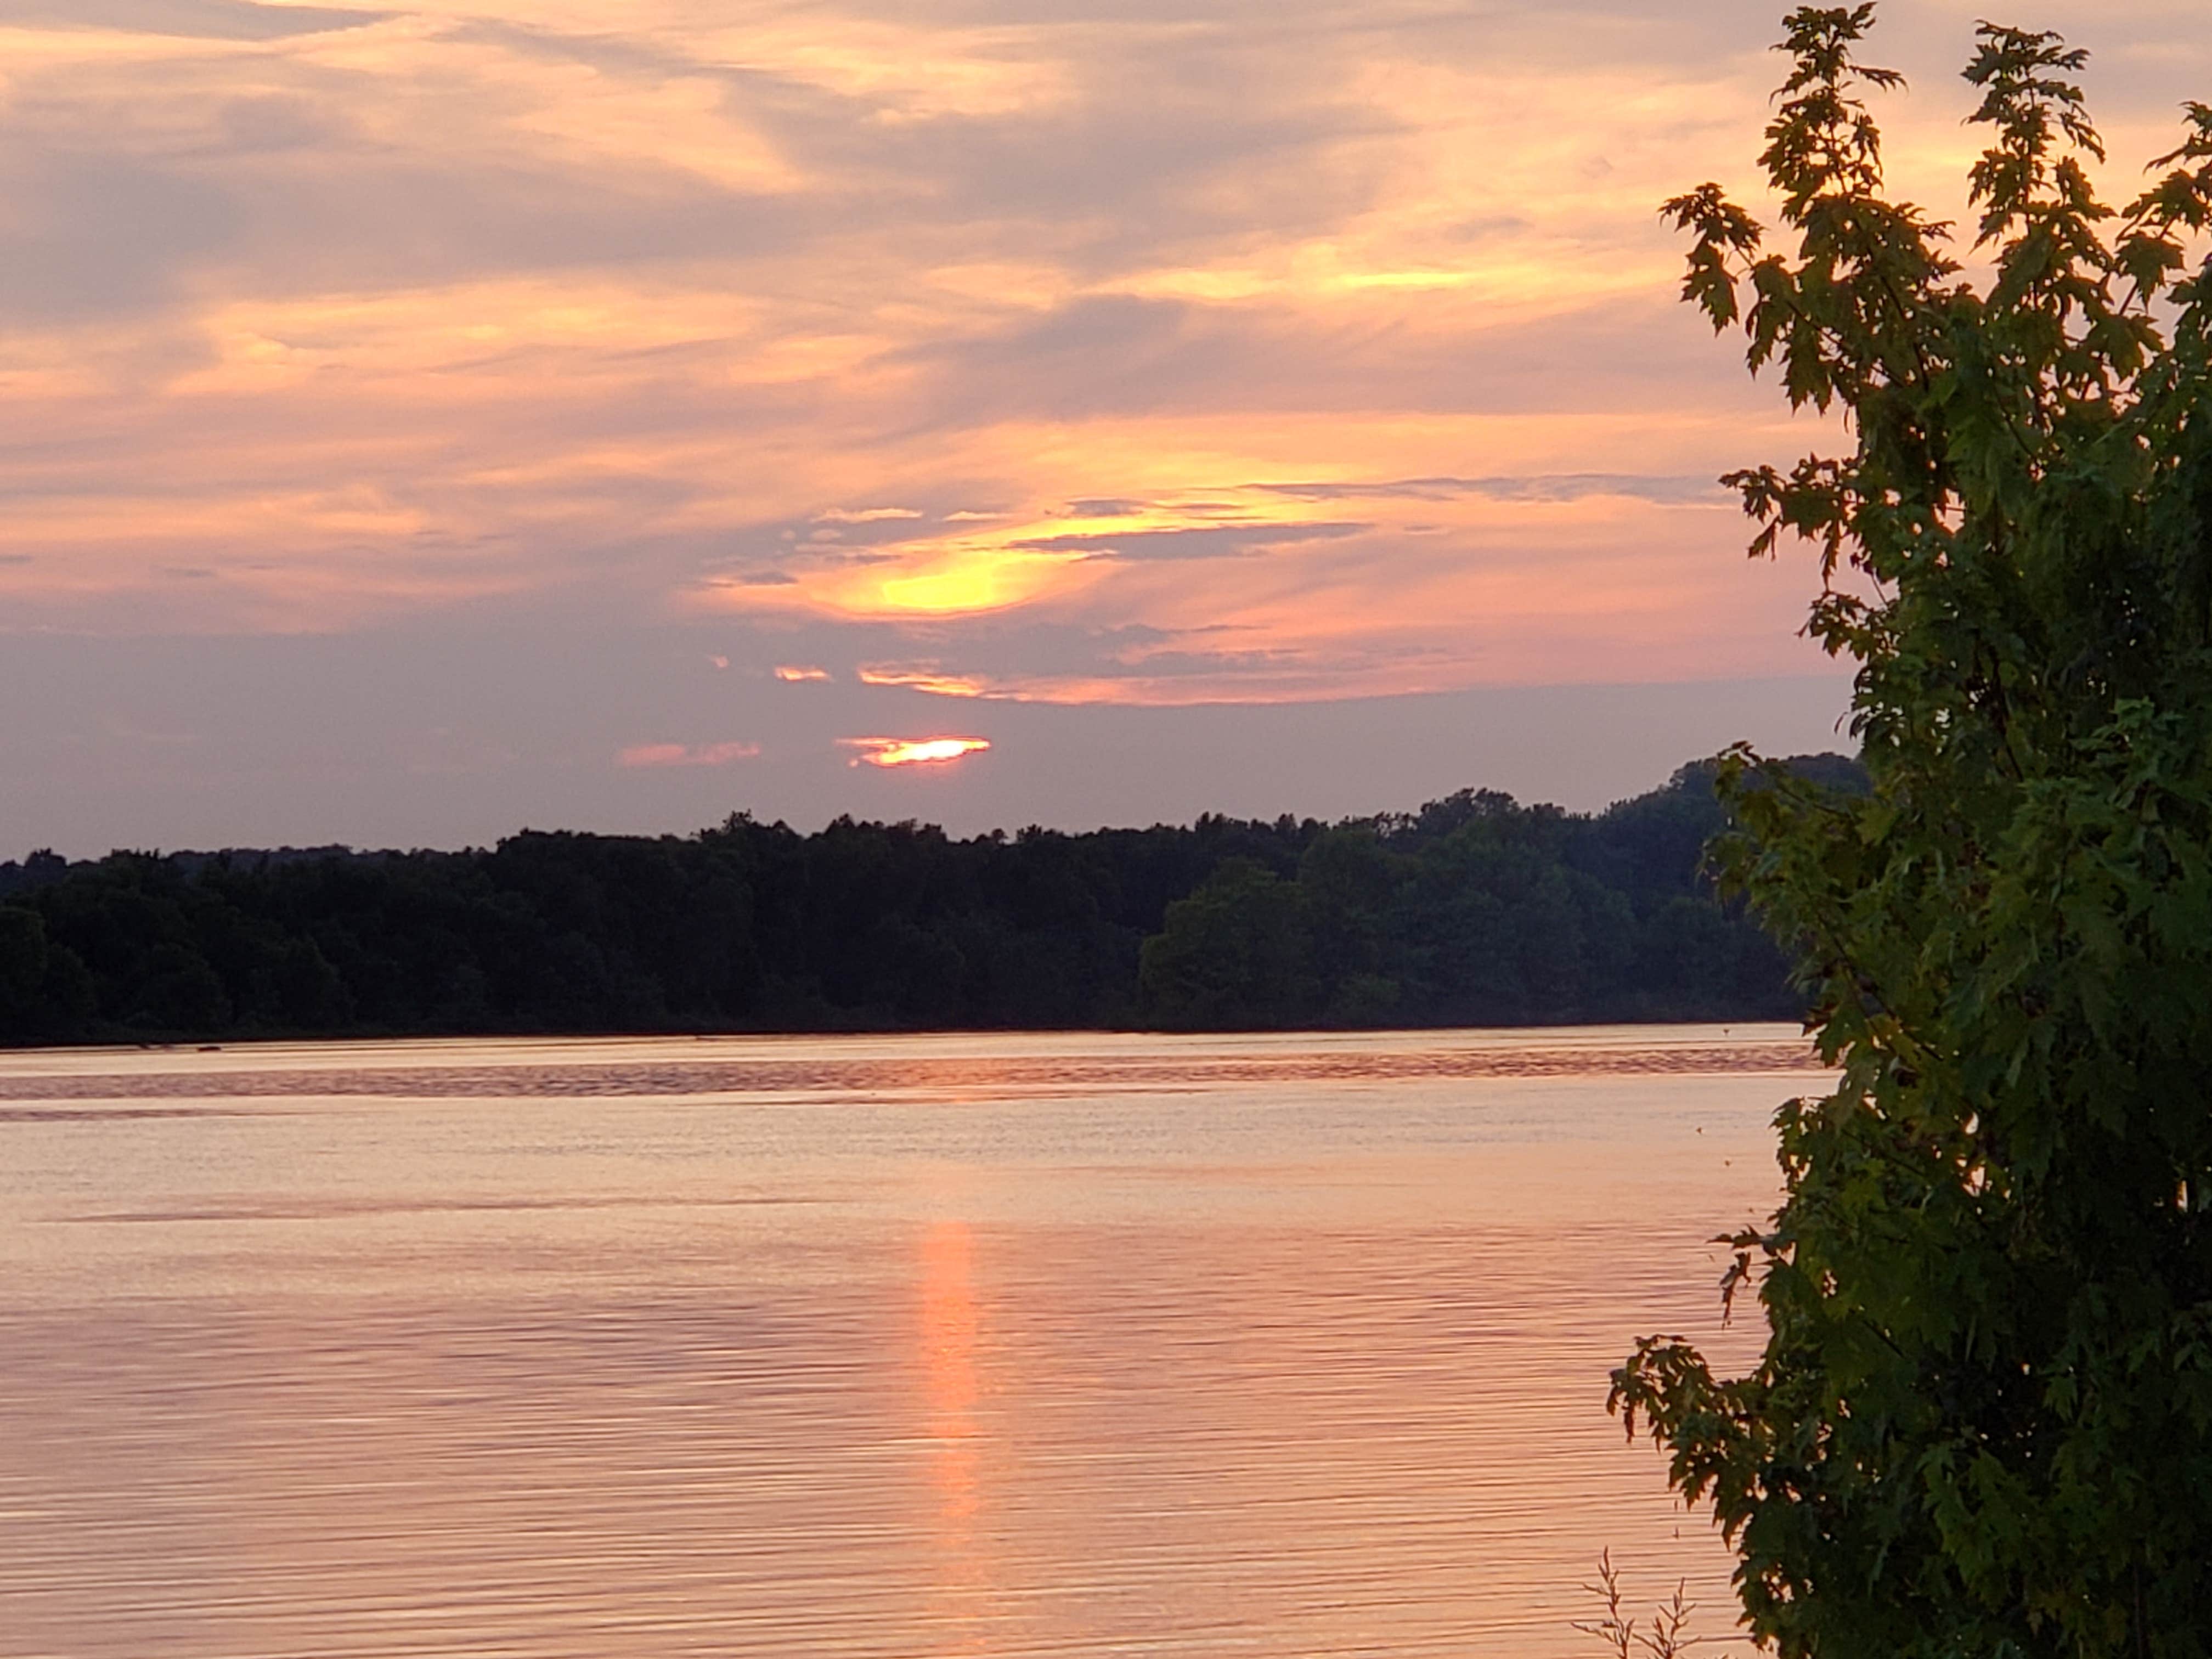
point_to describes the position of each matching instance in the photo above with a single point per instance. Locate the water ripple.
(1289, 1348)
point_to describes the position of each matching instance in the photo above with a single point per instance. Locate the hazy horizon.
(238, 756)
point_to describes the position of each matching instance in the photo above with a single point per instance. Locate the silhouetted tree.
(1474, 909)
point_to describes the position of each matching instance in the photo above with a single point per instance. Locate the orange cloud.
(911, 751)
(921, 679)
(794, 673)
(678, 754)
(867, 514)
(603, 323)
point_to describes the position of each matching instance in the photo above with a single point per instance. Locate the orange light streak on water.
(949, 1323)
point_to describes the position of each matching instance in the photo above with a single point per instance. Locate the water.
(1278, 1346)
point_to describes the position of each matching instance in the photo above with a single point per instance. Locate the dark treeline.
(1473, 911)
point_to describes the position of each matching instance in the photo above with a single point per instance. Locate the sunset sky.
(426, 420)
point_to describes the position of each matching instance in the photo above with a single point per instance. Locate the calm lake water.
(1282, 1346)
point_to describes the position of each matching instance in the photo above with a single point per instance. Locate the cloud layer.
(1143, 354)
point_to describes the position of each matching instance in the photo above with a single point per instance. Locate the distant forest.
(1474, 911)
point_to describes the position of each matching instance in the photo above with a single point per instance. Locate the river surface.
(1277, 1346)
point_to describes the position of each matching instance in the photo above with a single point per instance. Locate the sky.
(424, 420)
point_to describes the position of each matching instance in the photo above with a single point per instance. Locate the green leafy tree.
(22, 964)
(1347, 880)
(1235, 954)
(1982, 1423)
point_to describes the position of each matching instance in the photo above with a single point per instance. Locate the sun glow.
(969, 580)
(912, 751)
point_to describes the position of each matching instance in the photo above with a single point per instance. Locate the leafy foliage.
(1983, 1420)
(1473, 910)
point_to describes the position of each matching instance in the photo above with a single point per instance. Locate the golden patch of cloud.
(1154, 474)
(927, 679)
(799, 673)
(962, 582)
(946, 577)
(893, 752)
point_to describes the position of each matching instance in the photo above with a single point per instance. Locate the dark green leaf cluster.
(1983, 1421)
(1472, 910)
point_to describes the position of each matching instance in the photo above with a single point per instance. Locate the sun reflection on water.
(950, 1393)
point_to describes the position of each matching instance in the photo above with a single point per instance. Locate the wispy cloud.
(1205, 541)
(926, 676)
(680, 754)
(211, 20)
(868, 514)
(1329, 347)
(1537, 487)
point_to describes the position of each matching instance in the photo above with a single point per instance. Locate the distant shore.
(1473, 911)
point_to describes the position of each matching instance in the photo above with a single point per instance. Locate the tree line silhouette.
(1475, 910)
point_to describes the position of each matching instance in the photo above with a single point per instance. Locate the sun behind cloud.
(911, 751)
(874, 322)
